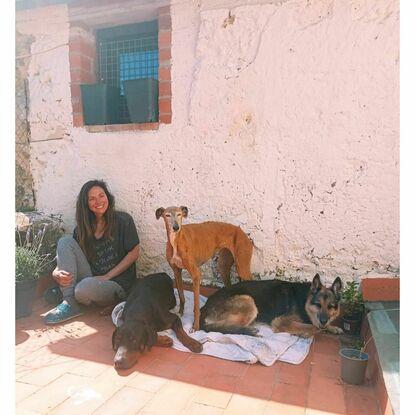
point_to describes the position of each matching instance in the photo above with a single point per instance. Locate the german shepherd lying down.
(291, 307)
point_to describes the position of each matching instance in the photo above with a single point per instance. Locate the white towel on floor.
(266, 348)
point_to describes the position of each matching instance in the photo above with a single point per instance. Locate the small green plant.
(29, 261)
(358, 344)
(352, 300)
(361, 345)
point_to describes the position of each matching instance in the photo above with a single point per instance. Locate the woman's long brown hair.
(86, 221)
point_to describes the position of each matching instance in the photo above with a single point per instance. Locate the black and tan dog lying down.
(146, 312)
(291, 307)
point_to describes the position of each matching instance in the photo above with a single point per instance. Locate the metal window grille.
(127, 52)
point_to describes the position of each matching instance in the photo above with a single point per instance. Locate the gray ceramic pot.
(353, 365)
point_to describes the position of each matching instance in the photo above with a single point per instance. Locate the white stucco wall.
(285, 121)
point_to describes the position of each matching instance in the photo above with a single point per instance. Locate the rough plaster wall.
(50, 110)
(285, 121)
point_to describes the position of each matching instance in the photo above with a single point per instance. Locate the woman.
(97, 264)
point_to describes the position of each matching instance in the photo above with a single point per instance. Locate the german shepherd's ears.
(337, 286)
(316, 284)
(185, 211)
(159, 212)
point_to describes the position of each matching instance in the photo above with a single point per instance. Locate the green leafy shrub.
(29, 261)
(352, 300)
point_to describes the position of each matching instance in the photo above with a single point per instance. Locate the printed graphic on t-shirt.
(106, 257)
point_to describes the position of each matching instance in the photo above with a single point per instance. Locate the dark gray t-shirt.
(109, 252)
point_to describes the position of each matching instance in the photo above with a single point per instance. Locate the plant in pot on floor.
(354, 362)
(353, 307)
(29, 264)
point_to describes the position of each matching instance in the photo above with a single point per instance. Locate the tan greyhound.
(189, 246)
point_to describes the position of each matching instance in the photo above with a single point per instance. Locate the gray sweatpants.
(85, 288)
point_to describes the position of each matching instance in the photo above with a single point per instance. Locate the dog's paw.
(164, 341)
(194, 328)
(252, 331)
(334, 330)
(195, 346)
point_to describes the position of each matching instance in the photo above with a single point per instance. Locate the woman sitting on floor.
(97, 264)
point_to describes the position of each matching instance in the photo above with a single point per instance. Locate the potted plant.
(353, 363)
(353, 307)
(29, 263)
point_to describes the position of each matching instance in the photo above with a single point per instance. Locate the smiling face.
(97, 201)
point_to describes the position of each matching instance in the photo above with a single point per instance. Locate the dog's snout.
(119, 364)
(176, 226)
(323, 319)
(124, 359)
(124, 363)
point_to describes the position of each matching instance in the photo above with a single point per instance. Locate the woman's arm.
(129, 259)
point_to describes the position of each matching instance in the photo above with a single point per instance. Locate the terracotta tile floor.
(68, 370)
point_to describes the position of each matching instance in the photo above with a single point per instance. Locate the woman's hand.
(63, 278)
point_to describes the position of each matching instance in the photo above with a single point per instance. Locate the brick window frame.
(84, 70)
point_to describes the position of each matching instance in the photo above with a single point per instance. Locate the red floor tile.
(326, 365)
(293, 374)
(326, 394)
(326, 343)
(254, 387)
(364, 390)
(358, 404)
(193, 377)
(200, 365)
(79, 352)
(291, 394)
(162, 369)
(262, 373)
(222, 382)
(170, 355)
(229, 368)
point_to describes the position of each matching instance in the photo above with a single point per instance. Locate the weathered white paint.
(285, 121)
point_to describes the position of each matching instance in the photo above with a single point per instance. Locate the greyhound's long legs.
(196, 277)
(179, 284)
(225, 262)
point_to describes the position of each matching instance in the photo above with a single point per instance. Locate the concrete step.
(383, 321)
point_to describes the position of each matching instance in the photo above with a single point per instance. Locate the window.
(128, 53)
(109, 54)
